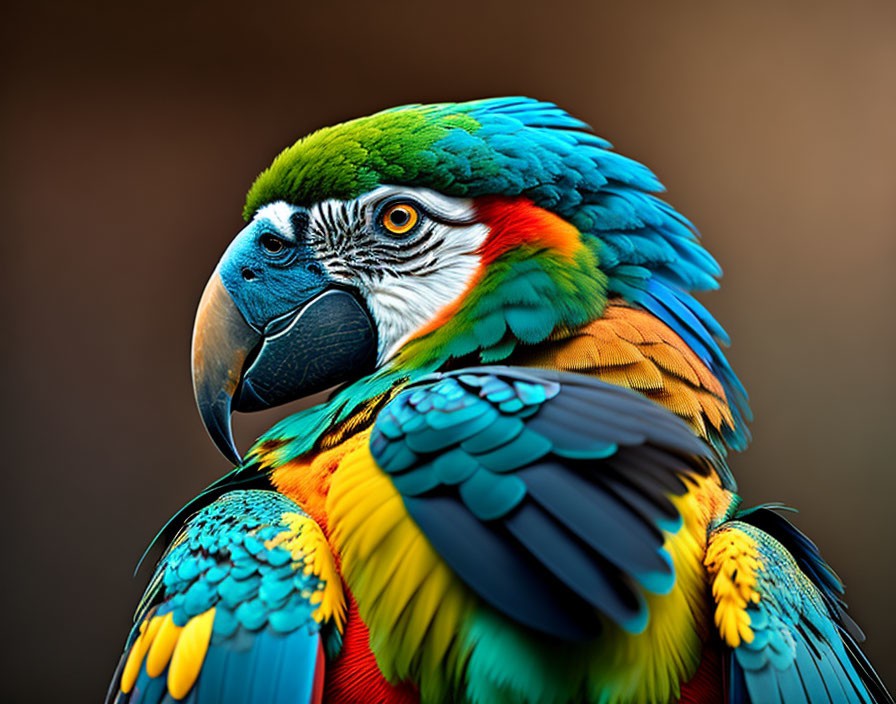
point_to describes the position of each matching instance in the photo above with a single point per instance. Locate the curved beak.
(222, 341)
(328, 338)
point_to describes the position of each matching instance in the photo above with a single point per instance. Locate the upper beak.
(328, 338)
(222, 341)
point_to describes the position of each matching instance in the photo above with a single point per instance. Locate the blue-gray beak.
(326, 339)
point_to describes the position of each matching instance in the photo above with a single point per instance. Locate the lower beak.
(327, 339)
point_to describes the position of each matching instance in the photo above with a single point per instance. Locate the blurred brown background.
(129, 137)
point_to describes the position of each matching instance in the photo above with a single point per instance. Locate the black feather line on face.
(348, 244)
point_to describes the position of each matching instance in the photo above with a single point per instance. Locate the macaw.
(518, 490)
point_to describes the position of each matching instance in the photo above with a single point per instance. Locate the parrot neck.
(520, 298)
(626, 345)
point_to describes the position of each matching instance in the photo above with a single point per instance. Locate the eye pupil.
(271, 243)
(400, 217)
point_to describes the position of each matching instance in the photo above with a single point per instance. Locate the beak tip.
(233, 456)
(216, 418)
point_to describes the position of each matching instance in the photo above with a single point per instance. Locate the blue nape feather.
(650, 252)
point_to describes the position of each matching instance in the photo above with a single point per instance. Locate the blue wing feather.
(543, 486)
(801, 650)
(266, 646)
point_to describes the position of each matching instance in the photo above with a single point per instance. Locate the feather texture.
(485, 458)
(634, 349)
(782, 628)
(244, 600)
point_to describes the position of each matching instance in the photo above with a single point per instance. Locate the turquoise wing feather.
(230, 614)
(801, 647)
(562, 482)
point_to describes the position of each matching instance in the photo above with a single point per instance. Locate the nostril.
(314, 268)
(248, 274)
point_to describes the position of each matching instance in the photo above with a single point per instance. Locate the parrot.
(517, 487)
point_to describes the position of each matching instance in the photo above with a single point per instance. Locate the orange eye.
(400, 218)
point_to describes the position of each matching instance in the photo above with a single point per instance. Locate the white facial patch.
(402, 304)
(279, 214)
(405, 279)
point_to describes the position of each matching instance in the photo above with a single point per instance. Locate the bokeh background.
(130, 134)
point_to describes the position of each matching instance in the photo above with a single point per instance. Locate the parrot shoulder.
(246, 598)
(780, 614)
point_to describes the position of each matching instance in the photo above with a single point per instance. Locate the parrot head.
(430, 233)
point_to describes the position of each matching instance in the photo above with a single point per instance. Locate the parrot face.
(428, 233)
(408, 252)
(404, 252)
(311, 297)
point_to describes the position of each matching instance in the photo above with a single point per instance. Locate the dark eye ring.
(272, 244)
